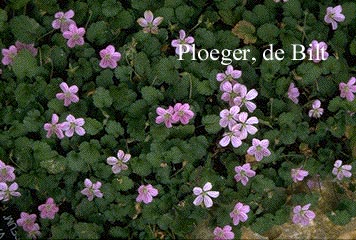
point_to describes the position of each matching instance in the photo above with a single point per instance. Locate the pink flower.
(293, 93)
(230, 75)
(118, 163)
(9, 55)
(318, 51)
(316, 110)
(73, 125)
(165, 116)
(230, 92)
(92, 189)
(6, 172)
(30, 47)
(259, 149)
(146, 193)
(68, 95)
(334, 15)
(34, 233)
(149, 24)
(109, 57)
(223, 233)
(341, 171)
(233, 135)
(63, 20)
(348, 89)
(48, 209)
(298, 174)
(243, 173)
(27, 221)
(6, 192)
(54, 127)
(302, 215)
(229, 117)
(74, 36)
(184, 41)
(182, 113)
(245, 97)
(240, 213)
(245, 125)
(204, 195)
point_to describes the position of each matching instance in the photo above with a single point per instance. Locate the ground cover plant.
(106, 133)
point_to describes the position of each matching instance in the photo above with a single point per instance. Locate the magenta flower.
(54, 127)
(302, 215)
(259, 149)
(245, 98)
(348, 89)
(223, 233)
(333, 16)
(9, 55)
(318, 51)
(149, 24)
(30, 47)
(165, 116)
(74, 36)
(182, 113)
(243, 173)
(293, 93)
(230, 75)
(245, 125)
(341, 171)
(205, 195)
(239, 214)
(63, 20)
(68, 95)
(184, 41)
(316, 110)
(109, 57)
(92, 189)
(48, 209)
(6, 172)
(35, 231)
(232, 136)
(230, 92)
(298, 174)
(73, 125)
(7, 191)
(27, 221)
(146, 193)
(118, 163)
(229, 117)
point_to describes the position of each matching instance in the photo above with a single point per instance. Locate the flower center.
(258, 148)
(181, 113)
(167, 116)
(75, 36)
(3, 172)
(107, 57)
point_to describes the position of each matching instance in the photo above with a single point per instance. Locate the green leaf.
(125, 183)
(24, 65)
(110, 8)
(98, 33)
(92, 126)
(88, 230)
(25, 29)
(245, 30)
(340, 217)
(184, 13)
(3, 19)
(140, 167)
(211, 123)
(105, 79)
(268, 33)
(204, 38)
(114, 128)
(102, 98)
(151, 95)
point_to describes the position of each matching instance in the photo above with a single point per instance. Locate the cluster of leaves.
(119, 110)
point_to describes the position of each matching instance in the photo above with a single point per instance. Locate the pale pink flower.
(259, 149)
(205, 195)
(27, 221)
(348, 89)
(246, 125)
(74, 36)
(225, 233)
(333, 16)
(229, 117)
(341, 171)
(316, 110)
(30, 47)
(232, 136)
(7, 191)
(239, 214)
(318, 51)
(230, 92)
(118, 163)
(293, 93)
(6, 172)
(92, 189)
(54, 127)
(63, 20)
(146, 193)
(182, 113)
(73, 125)
(184, 41)
(48, 209)
(165, 116)
(302, 215)
(230, 75)
(245, 98)
(150, 24)
(243, 173)
(9, 55)
(109, 57)
(298, 174)
(68, 94)
(34, 232)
